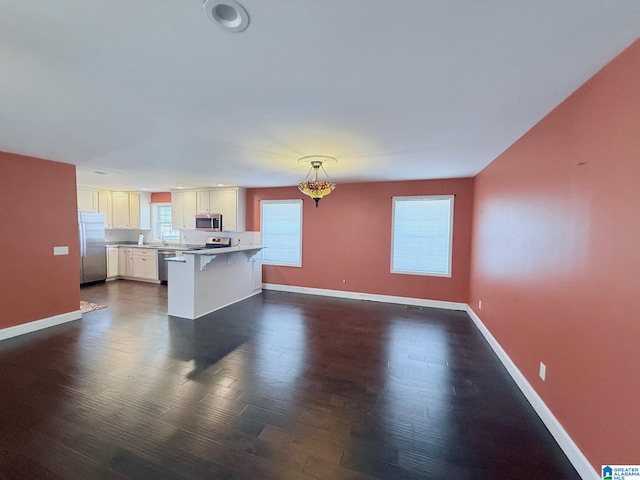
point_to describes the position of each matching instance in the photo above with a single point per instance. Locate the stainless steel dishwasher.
(163, 270)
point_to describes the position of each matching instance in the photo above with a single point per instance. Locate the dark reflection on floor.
(202, 341)
(280, 386)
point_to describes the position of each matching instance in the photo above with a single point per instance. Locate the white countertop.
(185, 250)
(156, 247)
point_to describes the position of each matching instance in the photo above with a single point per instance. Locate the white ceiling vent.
(228, 14)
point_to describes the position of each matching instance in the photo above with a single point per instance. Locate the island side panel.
(227, 279)
(181, 288)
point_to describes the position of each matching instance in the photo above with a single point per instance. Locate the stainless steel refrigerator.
(93, 259)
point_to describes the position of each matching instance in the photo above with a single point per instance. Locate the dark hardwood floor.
(279, 386)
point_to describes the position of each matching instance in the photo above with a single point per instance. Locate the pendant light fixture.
(317, 189)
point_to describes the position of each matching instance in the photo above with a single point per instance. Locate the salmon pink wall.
(349, 236)
(556, 262)
(161, 197)
(39, 211)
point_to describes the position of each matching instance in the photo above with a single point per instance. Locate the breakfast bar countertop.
(202, 281)
(217, 251)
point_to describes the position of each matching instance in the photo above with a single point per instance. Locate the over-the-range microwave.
(209, 222)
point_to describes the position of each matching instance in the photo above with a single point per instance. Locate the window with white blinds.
(162, 225)
(422, 235)
(281, 226)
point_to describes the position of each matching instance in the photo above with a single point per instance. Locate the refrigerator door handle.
(83, 242)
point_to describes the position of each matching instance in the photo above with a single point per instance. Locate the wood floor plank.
(279, 386)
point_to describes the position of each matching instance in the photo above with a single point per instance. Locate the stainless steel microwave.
(209, 222)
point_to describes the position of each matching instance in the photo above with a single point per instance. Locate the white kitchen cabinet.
(140, 210)
(145, 210)
(122, 261)
(183, 209)
(138, 263)
(105, 207)
(87, 200)
(177, 210)
(233, 209)
(134, 210)
(145, 263)
(131, 210)
(113, 260)
(209, 201)
(230, 202)
(125, 262)
(120, 206)
(189, 209)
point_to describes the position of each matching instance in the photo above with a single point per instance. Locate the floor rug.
(87, 307)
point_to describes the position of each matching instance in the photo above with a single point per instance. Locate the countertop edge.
(219, 251)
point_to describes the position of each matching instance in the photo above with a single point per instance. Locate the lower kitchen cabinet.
(125, 262)
(113, 260)
(145, 263)
(138, 263)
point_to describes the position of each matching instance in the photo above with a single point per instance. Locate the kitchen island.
(203, 281)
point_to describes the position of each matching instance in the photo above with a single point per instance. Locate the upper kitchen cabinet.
(140, 210)
(233, 209)
(120, 205)
(230, 202)
(209, 201)
(183, 209)
(105, 207)
(87, 200)
(127, 210)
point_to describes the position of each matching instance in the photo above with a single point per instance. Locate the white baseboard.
(419, 302)
(16, 330)
(568, 446)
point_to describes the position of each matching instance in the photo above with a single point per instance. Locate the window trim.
(395, 199)
(300, 204)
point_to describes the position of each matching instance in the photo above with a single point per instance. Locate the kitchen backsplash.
(187, 237)
(126, 236)
(195, 237)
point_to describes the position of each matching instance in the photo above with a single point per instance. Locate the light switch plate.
(61, 250)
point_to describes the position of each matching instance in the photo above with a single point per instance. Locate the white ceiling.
(158, 96)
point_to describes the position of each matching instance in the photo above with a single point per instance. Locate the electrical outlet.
(61, 250)
(479, 304)
(543, 371)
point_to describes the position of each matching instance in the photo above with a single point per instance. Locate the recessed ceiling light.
(179, 188)
(227, 14)
(144, 189)
(219, 184)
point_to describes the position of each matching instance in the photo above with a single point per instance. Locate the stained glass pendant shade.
(317, 189)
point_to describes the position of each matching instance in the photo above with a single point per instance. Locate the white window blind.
(281, 232)
(422, 235)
